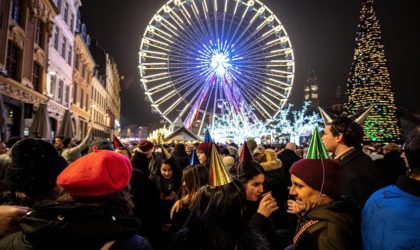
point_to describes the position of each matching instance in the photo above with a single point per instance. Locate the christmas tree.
(369, 80)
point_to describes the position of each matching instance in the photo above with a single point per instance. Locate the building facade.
(83, 68)
(25, 29)
(60, 61)
(312, 90)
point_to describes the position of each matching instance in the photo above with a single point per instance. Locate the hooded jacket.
(59, 226)
(333, 226)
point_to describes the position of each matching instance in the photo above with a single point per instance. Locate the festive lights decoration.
(199, 57)
(369, 80)
(289, 123)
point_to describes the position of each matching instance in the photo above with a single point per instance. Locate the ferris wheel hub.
(220, 63)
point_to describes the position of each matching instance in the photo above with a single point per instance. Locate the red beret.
(310, 171)
(145, 145)
(96, 174)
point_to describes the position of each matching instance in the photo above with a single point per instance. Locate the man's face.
(254, 188)
(58, 143)
(3, 148)
(330, 141)
(188, 149)
(300, 191)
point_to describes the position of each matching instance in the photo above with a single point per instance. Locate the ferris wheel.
(200, 58)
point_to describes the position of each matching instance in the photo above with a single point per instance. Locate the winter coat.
(332, 226)
(391, 217)
(287, 157)
(197, 238)
(141, 162)
(58, 226)
(359, 177)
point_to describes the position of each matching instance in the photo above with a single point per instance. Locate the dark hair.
(121, 201)
(194, 177)
(352, 132)
(412, 149)
(246, 170)
(59, 137)
(179, 150)
(12, 140)
(66, 141)
(220, 207)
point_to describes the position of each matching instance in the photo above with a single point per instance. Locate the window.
(36, 76)
(76, 61)
(84, 71)
(69, 55)
(56, 37)
(53, 84)
(87, 101)
(17, 11)
(74, 93)
(71, 24)
(39, 36)
(67, 96)
(13, 60)
(60, 90)
(82, 94)
(314, 96)
(59, 3)
(63, 48)
(66, 12)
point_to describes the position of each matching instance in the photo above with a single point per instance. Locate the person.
(391, 216)
(181, 155)
(9, 218)
(3, 148)
(58, 144)
(31, 174)
(193, 178)
(392, 165)
(142, 156)
(344, 137)
(71, 151)
(168, 182)
(325, 221)
(287, 157)
(93, 212)
(124, 151)
(217, 217)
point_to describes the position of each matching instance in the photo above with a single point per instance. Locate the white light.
(219, 63)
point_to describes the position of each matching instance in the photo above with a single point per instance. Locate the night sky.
(322, 34)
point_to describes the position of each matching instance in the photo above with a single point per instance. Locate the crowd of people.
(100, 194)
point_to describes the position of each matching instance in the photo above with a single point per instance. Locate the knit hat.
(145, 145)
(34, 167)
(206, 148)
(311, 172)
(96, 174)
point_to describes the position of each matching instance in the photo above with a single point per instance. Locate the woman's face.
(254, 188)
(300, 191)
(166, 171)
(202, 157)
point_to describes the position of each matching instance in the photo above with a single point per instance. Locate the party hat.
(165, 154)
(194, 158)
(325, 116)
(116, 142)
(245, 153)
(361, 117)
(218, 175)
(207, 137)
(316, 148)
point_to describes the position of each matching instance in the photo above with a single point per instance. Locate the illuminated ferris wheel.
(201, 58)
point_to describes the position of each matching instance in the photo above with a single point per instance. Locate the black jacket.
(58, 226)
(359, 177)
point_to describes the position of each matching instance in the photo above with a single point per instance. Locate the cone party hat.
(245, 153)
(207, 137)
(360, 119)
(316, 148)
(194, 158)
(165, 154)
(218, 175)
(116, 142)
(325, 116)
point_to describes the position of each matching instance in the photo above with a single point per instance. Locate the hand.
(175, 208)
(295, 207)
(10, 217)
(267, 205)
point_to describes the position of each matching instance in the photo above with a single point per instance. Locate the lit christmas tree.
(369, 81)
